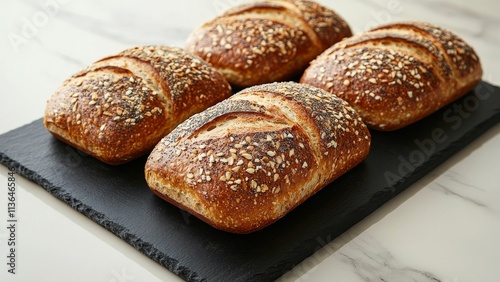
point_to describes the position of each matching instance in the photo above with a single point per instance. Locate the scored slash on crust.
(250, 159)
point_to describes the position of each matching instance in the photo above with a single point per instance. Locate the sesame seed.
(264, 188)
(250, 170)
(279, 160)
(271, 153)
(247, 156)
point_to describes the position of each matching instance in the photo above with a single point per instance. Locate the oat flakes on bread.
(247, 161)
(397, 74)
(119, 107)
(267, 40)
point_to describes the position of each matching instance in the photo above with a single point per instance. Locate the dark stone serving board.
(119, 199)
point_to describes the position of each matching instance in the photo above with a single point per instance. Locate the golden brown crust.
(397, 74)
(249, 160)
(267, 40)
(121, 106)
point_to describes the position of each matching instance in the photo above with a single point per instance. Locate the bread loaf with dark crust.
(247, 161)
(267, 40)
(397, 74)
(119, 107)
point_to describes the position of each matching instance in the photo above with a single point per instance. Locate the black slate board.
(118, 198)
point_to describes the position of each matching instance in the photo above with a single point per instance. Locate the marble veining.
(370, 261)
(453, 192)
(452, 184)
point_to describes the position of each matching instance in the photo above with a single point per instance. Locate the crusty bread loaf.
(267, 40)
(121, 106)
(397, 74)
(247, 161)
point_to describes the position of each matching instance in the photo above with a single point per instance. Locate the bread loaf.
(247, 161)
(397, 74)
(121, 106)
(267, 40)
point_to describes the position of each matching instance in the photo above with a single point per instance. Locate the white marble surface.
(443, 228)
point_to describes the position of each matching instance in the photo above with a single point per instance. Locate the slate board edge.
(327, 235)
(403, 184)
(273, 271)
(145, 248)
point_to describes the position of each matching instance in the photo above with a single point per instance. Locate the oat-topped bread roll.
(397, 74)
(247, 161)
(121, 106)
(267, 40)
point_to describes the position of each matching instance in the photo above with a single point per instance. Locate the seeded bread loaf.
(121, 106)
(267, 40)
(397, 74)
(247, 161)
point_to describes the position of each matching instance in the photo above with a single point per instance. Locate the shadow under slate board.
(119, 199)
